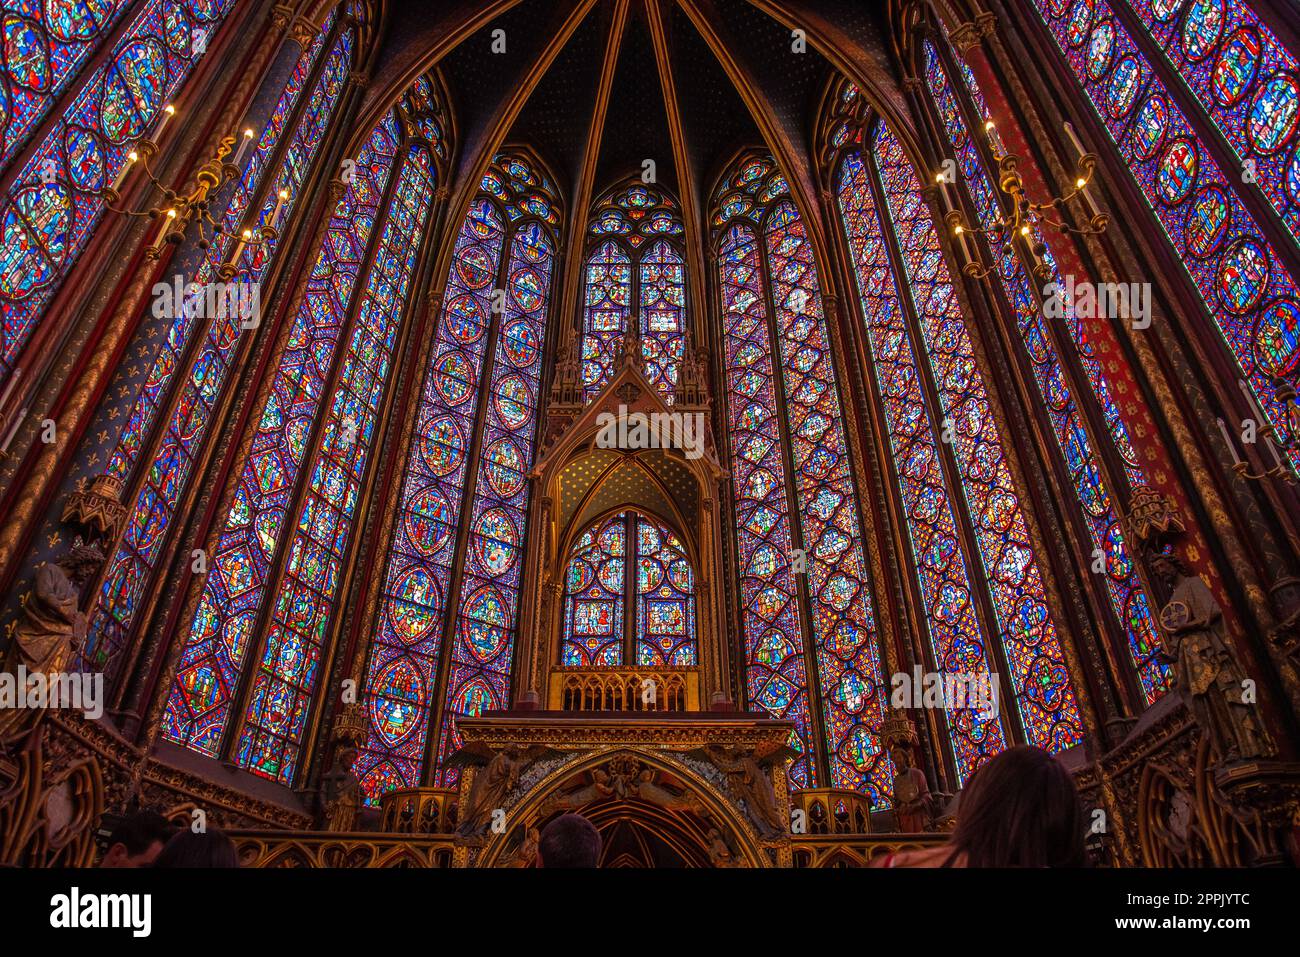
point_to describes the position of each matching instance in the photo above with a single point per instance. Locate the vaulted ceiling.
(597, 87)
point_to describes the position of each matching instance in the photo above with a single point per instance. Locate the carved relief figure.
(493, 782)
(52, 626)
(913, 805)
(752, 782)
(342, 790)
(1206, 672)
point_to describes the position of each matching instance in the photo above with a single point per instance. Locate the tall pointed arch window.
(1096, 504)
(287, 148)
(51, 208)
(976, 570)
(808, 618)
(634, 269)
(252, 658)
(473, 444)
(1243, 83)
(629, 596)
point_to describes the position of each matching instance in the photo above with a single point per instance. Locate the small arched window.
(629, 596)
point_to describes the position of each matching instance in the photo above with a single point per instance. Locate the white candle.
(1028, 236)
(9, 387)
(945, 200)
(243, 145)
(1277, 458)
(1253, 402)
(1078, 145)
(125, 171)
(13, 430)
(239, 247)
(959, 231)
(279, 204)
(168, 112)
(166, 225)
(1227, 437)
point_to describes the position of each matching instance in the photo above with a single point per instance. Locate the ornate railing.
(855, 850)
(350, 849)
(624, 689)
(418, 811)
(833, 811)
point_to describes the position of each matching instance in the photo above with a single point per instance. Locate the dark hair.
(1021, 809)
(140, 831)
(570, 841)
(211, 848)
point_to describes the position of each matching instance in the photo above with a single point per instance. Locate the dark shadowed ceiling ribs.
(723, 77)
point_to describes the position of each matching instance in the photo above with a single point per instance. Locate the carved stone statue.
(629, 350)
(526, 854)
(912, 802)
(1206, 672)
(647, 790)
(342, 790)
(752, 782)
(52, 627)
(493, 781)
(719, 853)
(601, 787)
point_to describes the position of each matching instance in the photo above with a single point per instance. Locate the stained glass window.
(51, 208)
(163, 485)
(1242, 76)
(1098, 510)
(777, 671)
(595, 589)
(820, 514)
(1247, 289)
(610, 594)
(224, 630)
(45, 45)
(608, 301)
(634, 269)
(305, 598)
(665, 598)
(483, 644)
(1025, 630)
(506, 242)
(958, 641)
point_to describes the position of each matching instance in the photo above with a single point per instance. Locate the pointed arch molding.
(528, 808)
(630, 392)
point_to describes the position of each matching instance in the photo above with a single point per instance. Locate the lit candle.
(168, 112)
(945, 200)
(1227, 437)
(279, 204)
(1027, 235)
(963, 242)
(1069, 131)
(244, 237)
(243, 145)
(166, 225)
(125, 171)
(995, 141)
